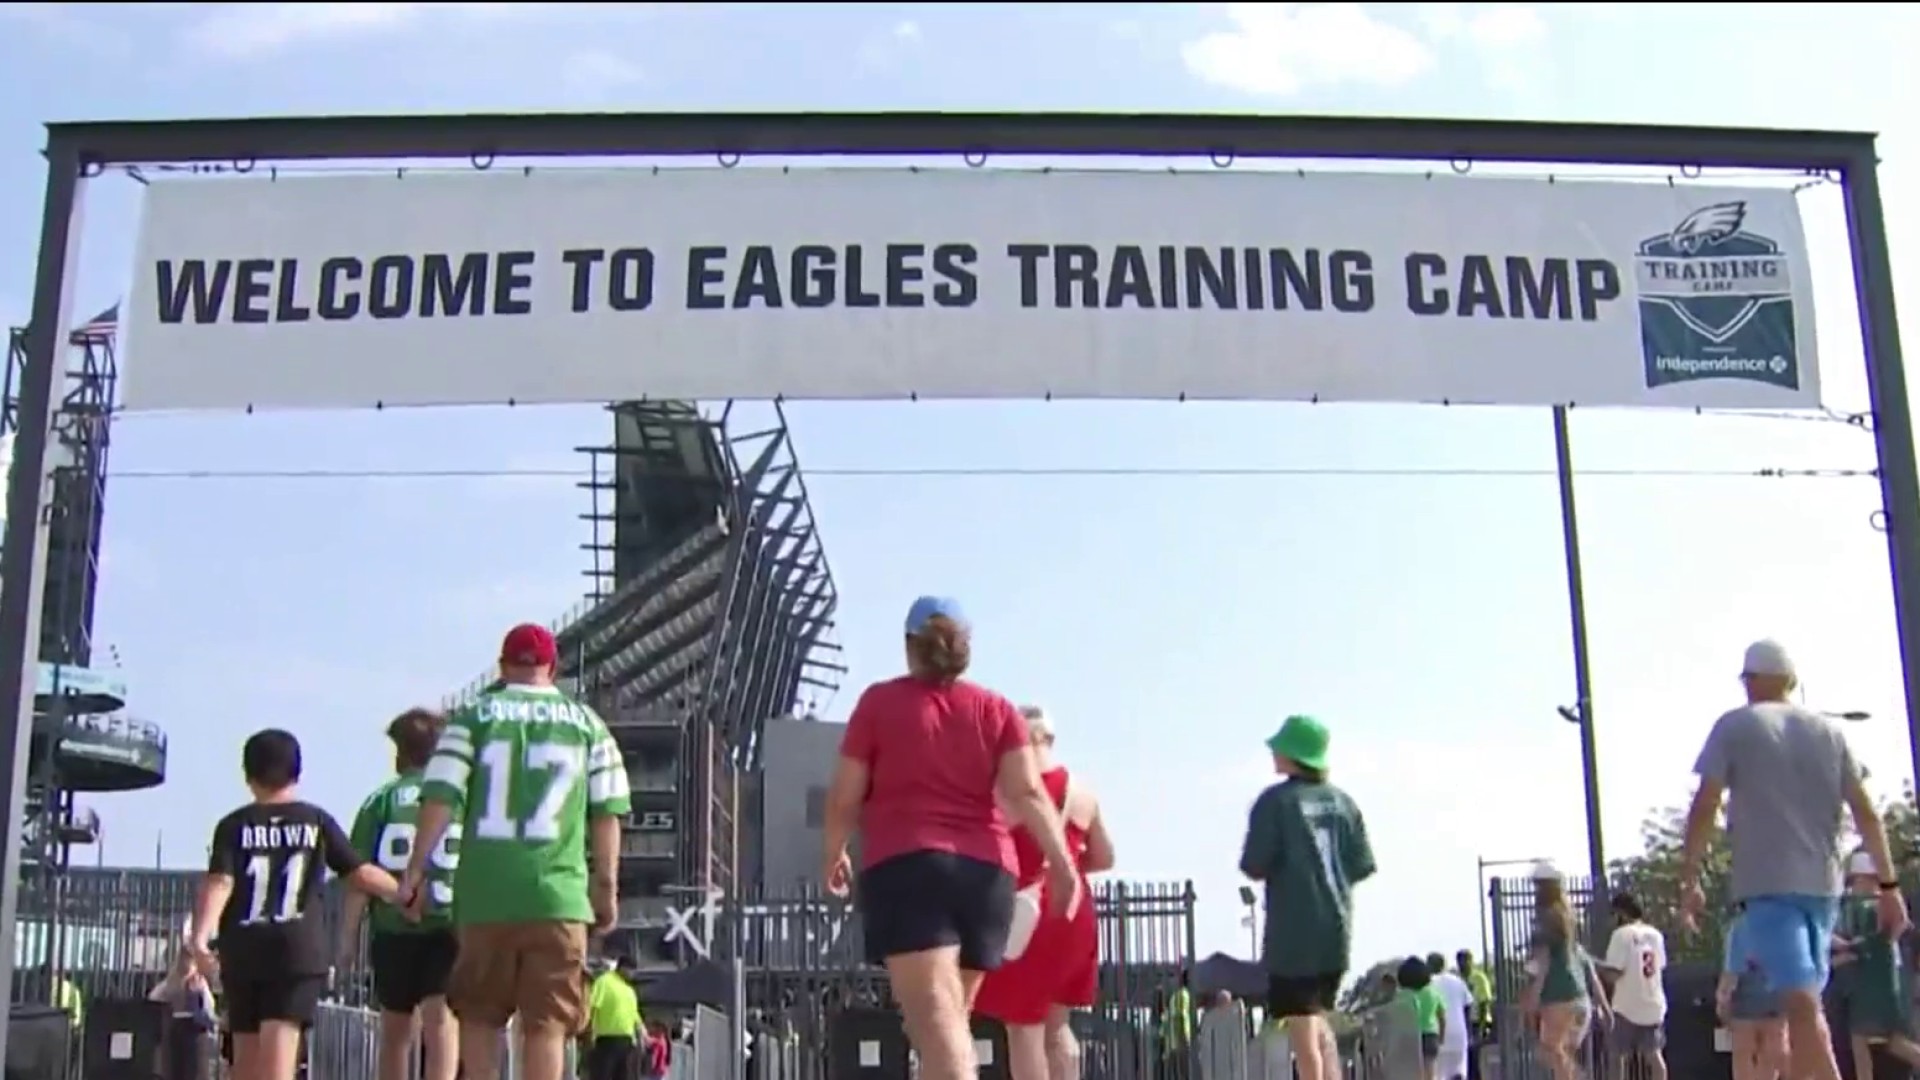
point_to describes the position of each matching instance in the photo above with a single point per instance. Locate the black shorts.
(290, 999)
(410, 968)
(1303, 995)
(1429, 1046)
(929, 899)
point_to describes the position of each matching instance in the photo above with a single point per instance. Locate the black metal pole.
(1893, 423)
(1480, 887)
(23, 562)
(1582, 672)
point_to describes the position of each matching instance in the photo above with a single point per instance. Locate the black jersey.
(278, 855)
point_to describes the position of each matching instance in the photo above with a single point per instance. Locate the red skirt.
(1061, 967)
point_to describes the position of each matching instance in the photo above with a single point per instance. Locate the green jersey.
(1877, 989)
(1427, 1007)
(1307, 843)
(526, 766)
(383, 834)
(1566, 975)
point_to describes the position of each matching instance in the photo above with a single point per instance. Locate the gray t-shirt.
(1785, 769)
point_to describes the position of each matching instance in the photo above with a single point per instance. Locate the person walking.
(614, 1024)
(540, 788)
(411, 958)
(1637, 961)
(1056, 968)
(1455, 1043)
(1878, 1014)
(1564, 993)
(265, 869)
(927, 762)
(1792, 776)
(1307, 845)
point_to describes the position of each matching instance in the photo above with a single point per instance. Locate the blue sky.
(1169, 622)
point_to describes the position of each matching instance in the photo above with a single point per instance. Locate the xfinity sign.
(680, 924)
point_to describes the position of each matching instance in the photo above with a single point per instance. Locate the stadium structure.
(708, 615)
(83, 739)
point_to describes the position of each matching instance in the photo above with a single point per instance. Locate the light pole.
(1252, 923)
(1581, 712)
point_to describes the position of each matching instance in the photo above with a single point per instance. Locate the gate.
(1690, 1021)
(1510, 910)
(111, 933)
(804, 963)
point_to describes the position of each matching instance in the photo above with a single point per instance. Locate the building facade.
(710, 613)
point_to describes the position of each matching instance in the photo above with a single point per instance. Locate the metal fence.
(1512, 914)
(1692, 971)
(1385, 1046)
(111, 934)
(803, 961)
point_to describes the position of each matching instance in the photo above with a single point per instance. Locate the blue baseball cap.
(928, 608)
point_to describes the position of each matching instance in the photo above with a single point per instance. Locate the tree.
(1653, 875)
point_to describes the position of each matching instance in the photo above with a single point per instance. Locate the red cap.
(529, 644)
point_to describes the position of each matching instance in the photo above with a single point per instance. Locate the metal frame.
(77, 151)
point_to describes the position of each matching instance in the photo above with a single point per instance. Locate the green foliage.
(1653, 875)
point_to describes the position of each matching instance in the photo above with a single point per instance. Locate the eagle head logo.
(1708, 227)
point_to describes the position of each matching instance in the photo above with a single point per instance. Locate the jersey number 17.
(561, 765)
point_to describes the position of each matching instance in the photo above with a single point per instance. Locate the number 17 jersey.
(526, 766)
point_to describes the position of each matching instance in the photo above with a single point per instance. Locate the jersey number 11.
(261, 881)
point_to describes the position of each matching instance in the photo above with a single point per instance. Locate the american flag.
(97, 330)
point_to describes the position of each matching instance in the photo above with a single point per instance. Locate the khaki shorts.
(533, 970)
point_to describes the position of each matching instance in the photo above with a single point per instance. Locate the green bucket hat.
(1302, 740)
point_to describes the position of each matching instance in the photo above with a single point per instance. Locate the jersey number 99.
(396, 847)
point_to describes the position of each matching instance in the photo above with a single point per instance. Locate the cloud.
(884, 50)
(1502, 38)
(250, 30)
(596, 73)
(1281, 49)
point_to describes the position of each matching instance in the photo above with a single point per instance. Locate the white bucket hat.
(1544, 870)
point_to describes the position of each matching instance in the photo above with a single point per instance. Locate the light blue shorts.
(1785, 939)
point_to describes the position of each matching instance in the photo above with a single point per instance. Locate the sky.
(1169, 622)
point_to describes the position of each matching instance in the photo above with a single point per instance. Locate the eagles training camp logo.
(1716, 302)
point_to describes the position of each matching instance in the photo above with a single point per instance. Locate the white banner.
(588, 286)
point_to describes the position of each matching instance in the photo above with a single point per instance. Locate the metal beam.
(244, 142)
(1893, 421)
(75, 150)
(23, 561)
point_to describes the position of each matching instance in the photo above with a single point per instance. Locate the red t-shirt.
(932, 753)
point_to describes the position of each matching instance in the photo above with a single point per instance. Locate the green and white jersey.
(383, 834)
(526, 765)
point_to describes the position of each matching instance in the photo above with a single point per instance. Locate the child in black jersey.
(268, 861)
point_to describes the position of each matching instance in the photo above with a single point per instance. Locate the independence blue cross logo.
(1716, 302)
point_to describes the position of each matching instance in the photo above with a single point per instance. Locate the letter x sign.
(680, 924)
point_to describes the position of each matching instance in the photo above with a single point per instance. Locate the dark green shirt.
(383, 833)
(1566, 979)
(1307, 843)
(1877, 987)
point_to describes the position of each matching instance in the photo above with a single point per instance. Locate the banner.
(590, 285)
